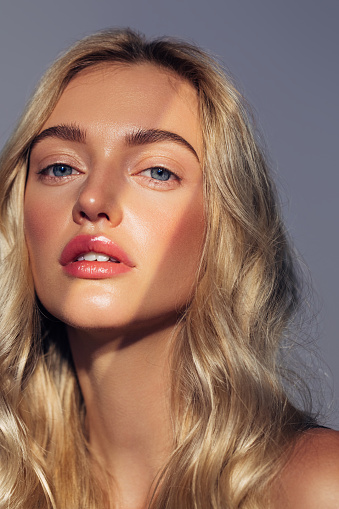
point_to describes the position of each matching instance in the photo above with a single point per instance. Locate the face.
(114, 217)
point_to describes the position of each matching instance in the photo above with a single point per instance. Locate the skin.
(120, 328)
(159, 224)
(310, 478)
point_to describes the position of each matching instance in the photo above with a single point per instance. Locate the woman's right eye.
(58, 170)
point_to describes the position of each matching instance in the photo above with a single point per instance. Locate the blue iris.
(160, 173)
(61, 170)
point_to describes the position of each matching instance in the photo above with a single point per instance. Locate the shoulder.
(310, 478)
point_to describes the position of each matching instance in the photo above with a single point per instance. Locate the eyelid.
(44, 156)
(155, 157)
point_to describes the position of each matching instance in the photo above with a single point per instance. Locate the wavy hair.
(232, 419)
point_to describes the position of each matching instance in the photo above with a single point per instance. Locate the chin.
(101, 306)
(101, 315)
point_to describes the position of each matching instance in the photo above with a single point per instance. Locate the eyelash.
(43, 174)
(171, 175)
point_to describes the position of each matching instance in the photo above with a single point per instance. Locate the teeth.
(92, 257)
(102, 258)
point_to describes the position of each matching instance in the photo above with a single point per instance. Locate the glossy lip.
(94, 270)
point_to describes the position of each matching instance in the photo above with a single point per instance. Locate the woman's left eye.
(159, 173)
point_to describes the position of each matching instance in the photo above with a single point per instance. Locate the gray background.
(284, 57)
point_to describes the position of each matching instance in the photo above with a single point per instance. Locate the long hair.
(232, 419)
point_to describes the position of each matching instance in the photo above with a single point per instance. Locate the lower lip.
(95, 270)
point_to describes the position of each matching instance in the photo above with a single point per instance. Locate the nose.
(97, 200)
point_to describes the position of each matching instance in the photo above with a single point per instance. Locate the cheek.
(177, 245)
(186, 239)
(41, 230)
(36, 224)
(38, 213)
(45, 215)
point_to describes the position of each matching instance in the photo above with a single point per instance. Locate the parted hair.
(232, 421)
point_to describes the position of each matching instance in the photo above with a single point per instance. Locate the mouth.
(94, 257)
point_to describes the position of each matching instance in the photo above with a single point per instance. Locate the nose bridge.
(99, 197)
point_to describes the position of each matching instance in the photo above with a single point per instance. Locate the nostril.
(104, 215)
(98, 216)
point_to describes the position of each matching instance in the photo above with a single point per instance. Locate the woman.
(147, 286)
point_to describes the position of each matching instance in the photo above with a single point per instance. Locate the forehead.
(114, 97)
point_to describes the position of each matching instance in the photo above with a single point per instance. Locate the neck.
(126, 388)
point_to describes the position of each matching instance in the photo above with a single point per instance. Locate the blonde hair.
(232, 419)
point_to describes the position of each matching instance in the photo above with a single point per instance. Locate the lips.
(75, 264)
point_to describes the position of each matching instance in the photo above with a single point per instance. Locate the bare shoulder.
(310, 479)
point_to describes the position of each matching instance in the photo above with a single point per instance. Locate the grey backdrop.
(284, 56)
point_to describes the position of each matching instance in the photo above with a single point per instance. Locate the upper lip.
(98, 243)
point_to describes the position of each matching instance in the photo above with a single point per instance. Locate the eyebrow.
(144, 136)
(73, 132)
(63, 132)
